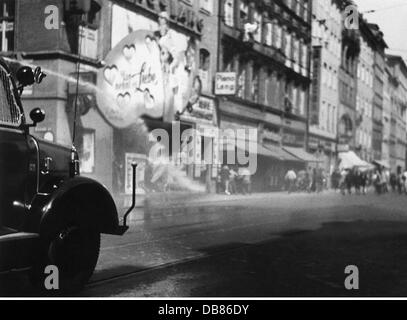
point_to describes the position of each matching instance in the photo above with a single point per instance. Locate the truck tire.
(75, 252)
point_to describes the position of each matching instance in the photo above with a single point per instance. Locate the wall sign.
(225, 83)
(316, 85)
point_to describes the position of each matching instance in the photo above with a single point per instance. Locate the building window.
(278, 36)
(241, 85)
(255, 84)
(7, 12)
(243, 13)
(207, 5)
(258, 19)
(84, 39)
(268, 34)
(204, 67)
(229, 13)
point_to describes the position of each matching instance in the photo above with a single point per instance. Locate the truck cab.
(49, 214)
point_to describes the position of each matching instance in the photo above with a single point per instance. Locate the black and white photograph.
(203, 149)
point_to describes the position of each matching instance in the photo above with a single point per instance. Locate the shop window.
(87, 151)
(7, 12)
(204, 67)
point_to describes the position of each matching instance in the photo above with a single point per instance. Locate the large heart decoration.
(129, 51)
(110, 73)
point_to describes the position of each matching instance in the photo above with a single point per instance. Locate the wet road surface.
(260, 246)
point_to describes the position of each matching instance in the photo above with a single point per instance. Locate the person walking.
(246, 181)
(232, 181)
(225, 176)
(290, 178)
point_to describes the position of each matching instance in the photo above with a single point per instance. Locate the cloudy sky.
(391, 16)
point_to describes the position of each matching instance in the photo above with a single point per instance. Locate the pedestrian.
(349, 181)
(378, 181)
(363, 182)
(319, 180)
(224, 175)
(232, 181)
(290, 178)
(395, 181)
(357, 181)
(246, 181)
(399, 180)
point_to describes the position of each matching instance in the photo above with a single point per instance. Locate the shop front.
(146, 105)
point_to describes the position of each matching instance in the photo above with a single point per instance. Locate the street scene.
(180, 148)
(257, 246)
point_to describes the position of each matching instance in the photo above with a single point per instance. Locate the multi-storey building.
(267, 44)
(326, 61)
(365, 93)
(347, 89)
(389, 137)
(398, 96)
(378, 83)
(138, 60)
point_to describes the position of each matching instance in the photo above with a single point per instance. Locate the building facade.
(326, 61)
(365, 94)
(378, 84)
(347, 90)
(267, 45)
(142, 66)
(389, 136)
(397, 71)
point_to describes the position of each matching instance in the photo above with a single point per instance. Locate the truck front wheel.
(74, 251)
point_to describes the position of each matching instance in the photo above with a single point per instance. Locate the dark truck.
(49, 214)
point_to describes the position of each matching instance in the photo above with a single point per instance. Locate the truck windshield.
(10, 113)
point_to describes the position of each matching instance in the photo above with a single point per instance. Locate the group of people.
(311, 180)
(349, 179)
(234, 180)
(380, 179)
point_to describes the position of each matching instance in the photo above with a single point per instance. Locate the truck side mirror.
(25, 76)
(37, 115)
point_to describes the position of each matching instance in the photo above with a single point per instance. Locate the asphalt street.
(275, 245)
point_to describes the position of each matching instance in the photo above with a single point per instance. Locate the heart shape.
(129, 51)
(110, 73)
(149, 100)
(123, 99)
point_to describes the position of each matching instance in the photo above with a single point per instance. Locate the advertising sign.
(225, 83)
(316, 86)
(151, 74)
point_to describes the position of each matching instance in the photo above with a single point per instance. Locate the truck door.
(13, 157)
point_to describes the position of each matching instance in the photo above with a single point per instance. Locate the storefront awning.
(280, 154)
(350, 160)
(382, 163)
(302, 155)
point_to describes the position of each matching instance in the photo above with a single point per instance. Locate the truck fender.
(81, 201)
